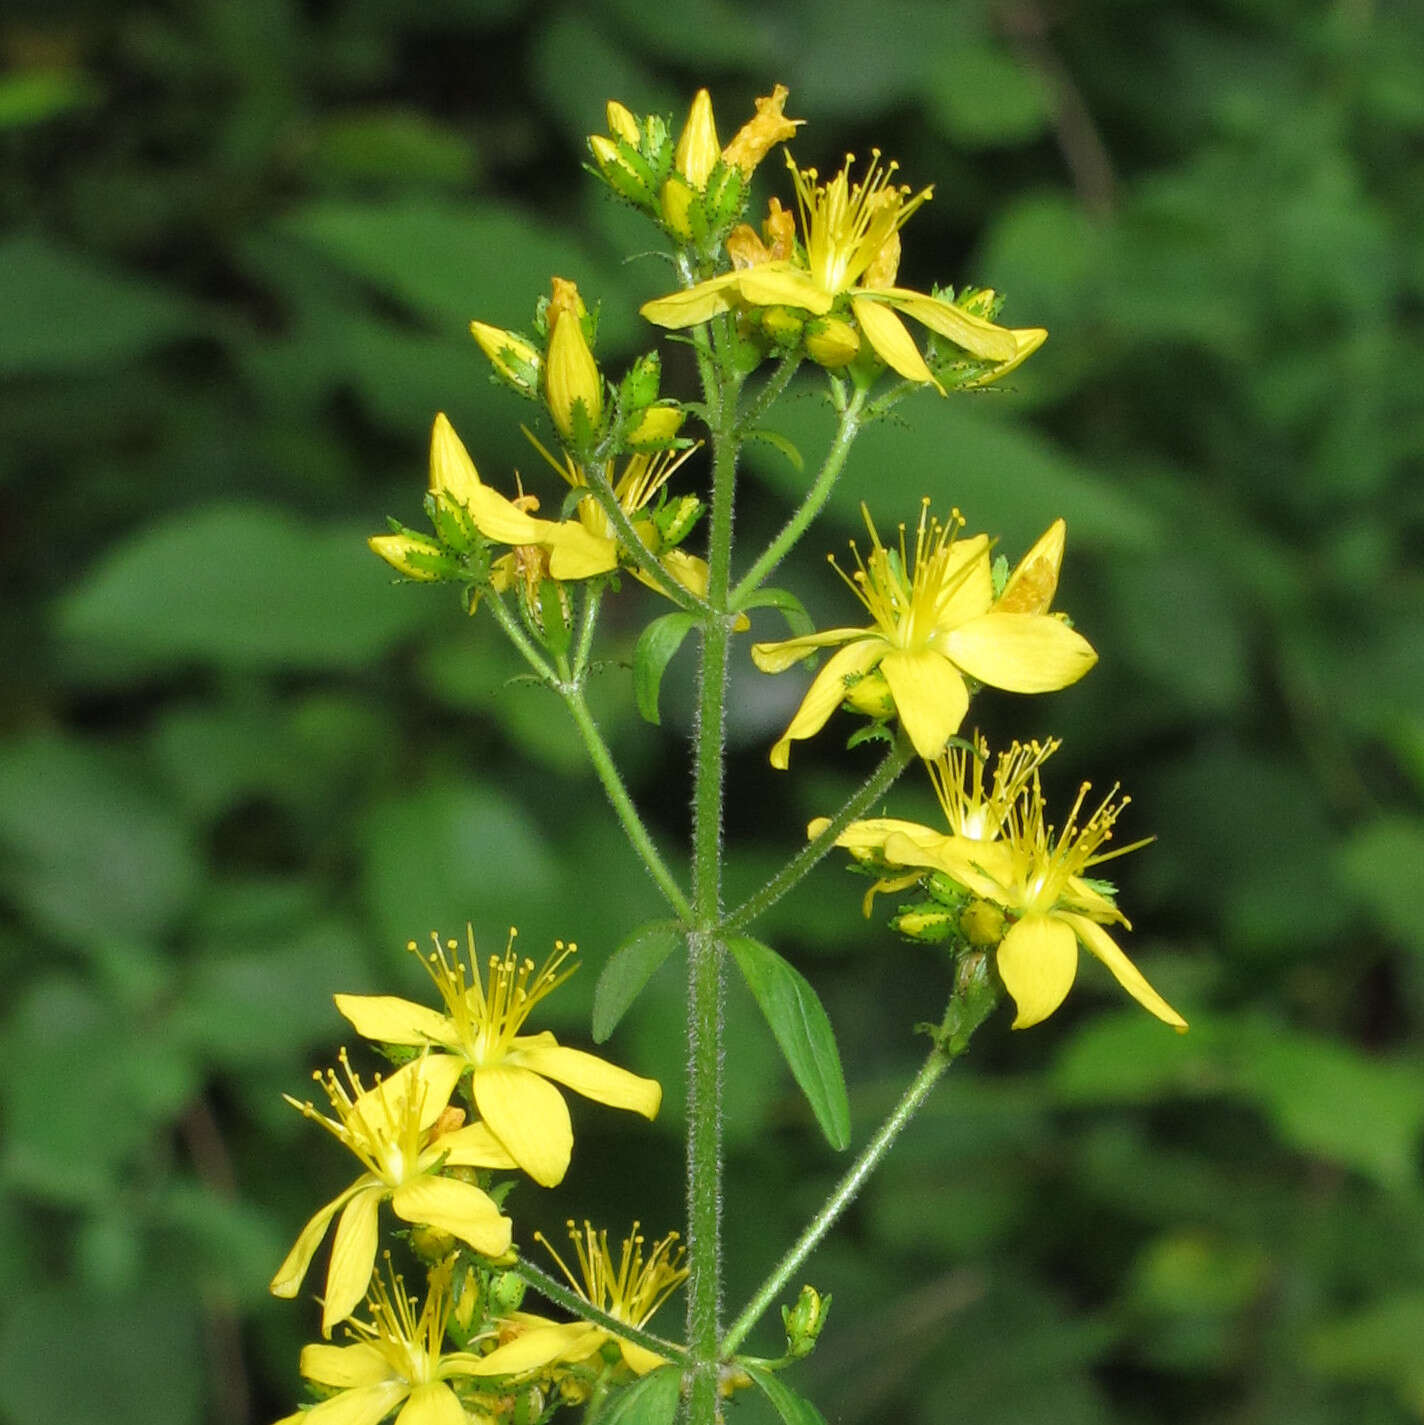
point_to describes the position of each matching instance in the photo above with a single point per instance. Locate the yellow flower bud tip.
(410, 554)
(758, 136)
(656, 426)
(621, 123)
(832, 342)
(676, 202)
(697, 147)
(571, 377)
(565, 298)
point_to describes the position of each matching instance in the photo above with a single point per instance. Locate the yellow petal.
(1124, 971)
(930, 697)
(695, 304)
(781, 285)
(473, 1146)
(1022, 653)
(529, 1116)
(1038, 959)
(1027, 340)
(452, 472)
(892, 343)
(345, 1366)
(433, 1403)
(588, 1075)
(386, 1019)
(353, 1255)
(533, 1350)
(639, 1359)
(1034, 582)
(779, 656)
(755, 139)
(826, 694)
(576, 553)
(456, 1207)
(427, 1081)
(977, 336)
(363, 1405)
(870, 834)
(287, 1280)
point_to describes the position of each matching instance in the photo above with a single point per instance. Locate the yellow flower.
(394, 1128)
(630, 1291)
(510, 1072)
(589, 544)
(851, 241)
(935, 622)
(976, 811)
(397, 1360)
(1004, 851)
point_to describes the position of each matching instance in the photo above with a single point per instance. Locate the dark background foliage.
(242, 242)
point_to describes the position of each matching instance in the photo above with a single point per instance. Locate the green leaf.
(650, 1401)
(790, 1406)
(792, 609)
(1380, 862)
(656, 646)
(240, 586)
(802, 1031)
(628, 970)
(63, 313)
(777, 441)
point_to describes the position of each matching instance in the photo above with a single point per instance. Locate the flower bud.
(621, 123)
(506, 1292)
(571, 379)
(804, 1321)
(697, 147)
(415, 555)
(871, 695)
(431, 1244)
(515, 361)
(928, 922)
(676, 202)
(832, 342)
(644, 379)
(982, 924)
(656, 427)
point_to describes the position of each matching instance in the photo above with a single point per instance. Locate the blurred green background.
(242, 242)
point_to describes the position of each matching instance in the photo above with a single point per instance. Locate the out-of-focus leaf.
(802, 1031)
(33, 96)
(64, 312)
(391, 144)
(242, 586)
(792, 609)
(1378, 1343)
(984, 97)
(628, 970)
(1005, 479)
(650, 1401)
(1383, 862)
(91, 851)
(444, 854)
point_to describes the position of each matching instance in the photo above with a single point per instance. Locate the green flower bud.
(515, 361)
(982, 923)
(804, 1321)
(506, 1292)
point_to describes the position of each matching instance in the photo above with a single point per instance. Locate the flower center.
(633, 1289)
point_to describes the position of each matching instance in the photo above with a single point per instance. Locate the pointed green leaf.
(792, 609)
(802, 1031)
(628, 970)
(656, 646)
(779, 442)
(790, 1406)
(650, 1401)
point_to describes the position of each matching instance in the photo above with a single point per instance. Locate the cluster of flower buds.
(696, 189)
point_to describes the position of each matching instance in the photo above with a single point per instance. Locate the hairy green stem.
(786, 879)
(622, 803)
(968, 1007)
(554, 1290)
(520, 639)
(704, 946)
(847, 428)
(771, 391)
(602, 490)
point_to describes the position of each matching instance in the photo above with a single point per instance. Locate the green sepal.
(553, 617)
(628, 971)
(792, 1408)
(871, 732)
(675, 518)
(650, 1401)
(802, 1030)
(641, 384)
(786, 603)
(656, 645)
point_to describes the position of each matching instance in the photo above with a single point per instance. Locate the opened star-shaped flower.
(509, 1071)
(935, 624)
(402, 1130)
(396, 1360)
(1038, 875)
(629, 1291)
(849, 256)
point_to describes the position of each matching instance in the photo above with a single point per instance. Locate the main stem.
(704, 981)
